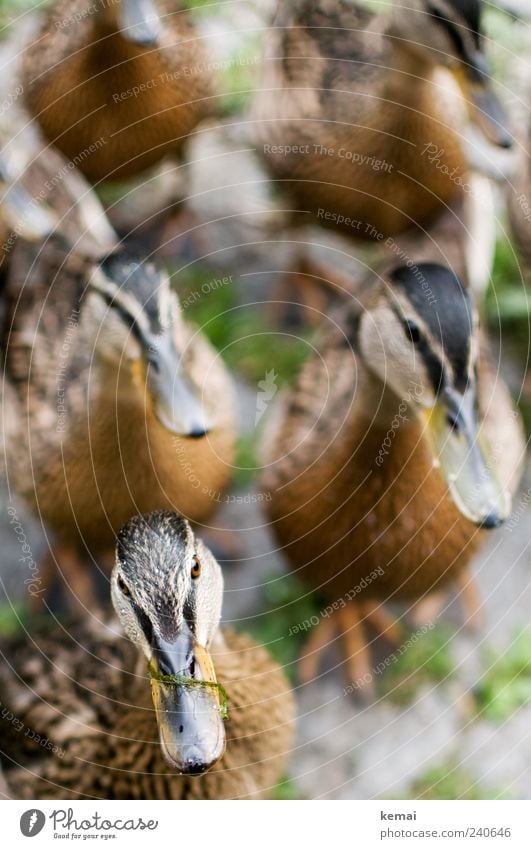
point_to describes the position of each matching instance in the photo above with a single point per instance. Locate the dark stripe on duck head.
(470, 13)
(439, 299)
(138, 278)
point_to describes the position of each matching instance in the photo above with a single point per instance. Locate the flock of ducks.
(111, 399)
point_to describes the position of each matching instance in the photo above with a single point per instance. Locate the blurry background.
(453, 715)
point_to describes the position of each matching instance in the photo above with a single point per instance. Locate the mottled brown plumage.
(112, 106)
(44, 196)
(357, 485)
(77, 719)
(83, 691)
(363, 96)
(85, 444)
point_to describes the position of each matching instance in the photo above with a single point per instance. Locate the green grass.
(246, 459)
(286, 790)
(9, 619)
(427, 661)
(448, 781)
(506, 685)
(286, 604)
(11, 9)
(508, 307)
(508, 299)
(248, 341)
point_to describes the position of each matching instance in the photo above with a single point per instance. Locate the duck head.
(140, 328)
(448, 33)
(167, 590)
(420, 337)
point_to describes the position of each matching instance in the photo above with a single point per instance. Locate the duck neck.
(382, 407)
(409, 76)
(108, 16)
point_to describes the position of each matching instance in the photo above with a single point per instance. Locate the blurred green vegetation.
(448, 781)
(10, 619)
(247, 461)
(249, 341)
(427, 661)
(286, 790)
(508, 299)
(506, 685)
(508, 311)
(286, 604)
(11, 9)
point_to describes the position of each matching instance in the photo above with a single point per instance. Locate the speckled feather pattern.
(84, 691)
(338, 514)
(330, 79)
(70, 84)
(113, 458)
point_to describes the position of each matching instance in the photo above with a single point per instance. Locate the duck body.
(84, 445)
(355, 119)
(361, 499)
(113, 106)
(91, 702)
(143, 718)
(357, 492)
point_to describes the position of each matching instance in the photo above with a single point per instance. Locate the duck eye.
(453, 422)
(123, 586)
(412, 332)
(196, 568)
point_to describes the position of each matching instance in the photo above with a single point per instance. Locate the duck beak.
(187, 703)
(139, 21)
(485, 108)
(457, 444)
(24, 215)
(176, 400)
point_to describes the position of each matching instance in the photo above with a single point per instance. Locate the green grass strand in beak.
(185, 681)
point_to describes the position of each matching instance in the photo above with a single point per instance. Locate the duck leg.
(321, 636)
(78, 579)
(39, 589)
(63, 560)
(4, 792)
(307, 290)
(471, 601)
(348, 623)
(357, 654)
(429, 608)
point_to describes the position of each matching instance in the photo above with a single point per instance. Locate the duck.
(117, 86)
(20, 213)
(44, 197)
(181, 709)
(390, 459)
(112, 402)
(355, 116)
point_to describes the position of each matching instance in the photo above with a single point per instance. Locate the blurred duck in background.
(117, 86)
(43, 196)
(361, 117)
(393, 453)
(119, 731)
(338, 78)
(19, 212)
(112, 403)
